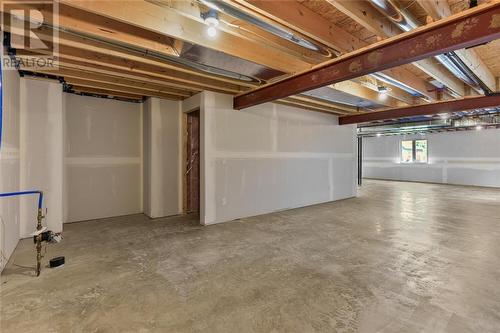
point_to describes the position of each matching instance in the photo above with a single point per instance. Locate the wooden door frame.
(184, 160)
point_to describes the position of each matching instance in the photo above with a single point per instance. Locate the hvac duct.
(405, 21)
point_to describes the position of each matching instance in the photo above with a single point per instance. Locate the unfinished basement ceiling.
(205, 56)
(107, 50)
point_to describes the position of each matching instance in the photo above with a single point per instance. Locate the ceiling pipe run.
(273, 29)
(477, 122)
(406, 22)
(162, 57)
(389, 80)
(289, 36)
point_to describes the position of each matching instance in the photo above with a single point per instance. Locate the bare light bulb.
(211, 31)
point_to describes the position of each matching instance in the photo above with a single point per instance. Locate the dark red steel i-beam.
(470, 103)
(469, 28)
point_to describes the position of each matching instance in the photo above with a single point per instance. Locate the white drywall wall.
(271, 157)
(9, 165)
(41, 147)
(103, 157)
(463, 158)
(162, 155)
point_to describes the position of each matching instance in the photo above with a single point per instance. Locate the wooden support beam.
(470, 103)
(79, 21)
(367, 16)
(320, 103)
(152, 17)
(103, 78)
(155, 78)
(308, 105)
(104, 92)
(439, 9)
(435, 70)
(358, 90)
(74, 45)
(305, 21)
(299, 18)
(120, 88)
(246, 30)
(112, 60)
(470, 28)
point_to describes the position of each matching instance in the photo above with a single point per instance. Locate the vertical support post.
(39, 242)
(360, 160)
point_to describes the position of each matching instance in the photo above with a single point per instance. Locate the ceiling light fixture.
(383, 89)
(211, 19)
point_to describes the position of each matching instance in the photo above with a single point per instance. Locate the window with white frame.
(414, 151)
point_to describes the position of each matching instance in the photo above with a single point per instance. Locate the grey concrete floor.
(402, 257)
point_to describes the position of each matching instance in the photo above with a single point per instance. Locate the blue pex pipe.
(13, 194)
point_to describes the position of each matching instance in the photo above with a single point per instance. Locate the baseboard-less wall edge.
(281, 210)
(105, 218)
(457, 158)
(165, 217)
(432, 183)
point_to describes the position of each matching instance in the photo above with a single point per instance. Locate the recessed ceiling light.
(383, 89)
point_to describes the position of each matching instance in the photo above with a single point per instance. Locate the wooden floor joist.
(470, 103)
(470, 28)
(120, 88)
(104, 92)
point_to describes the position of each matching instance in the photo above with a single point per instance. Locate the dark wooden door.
(193, 162)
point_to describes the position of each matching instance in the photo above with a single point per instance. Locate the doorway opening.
(192, 163)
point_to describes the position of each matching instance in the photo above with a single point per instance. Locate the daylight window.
(414, 151)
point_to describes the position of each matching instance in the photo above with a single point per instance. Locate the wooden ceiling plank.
(402, 49)
(104, 92)
(97, 77)
(366, 15)
(439, 9)
(119, 88)
(162, 20)
(300, 18)
(70, 44)
(140, 77)
(323, 102)
(308, 106)
(246, 30)
(91, 57)
(358, 90)
(436, 70)
(76, 20)
(65, 63)
(469, 103)
(304, 21)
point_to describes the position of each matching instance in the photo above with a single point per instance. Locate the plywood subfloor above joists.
(489, 54)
